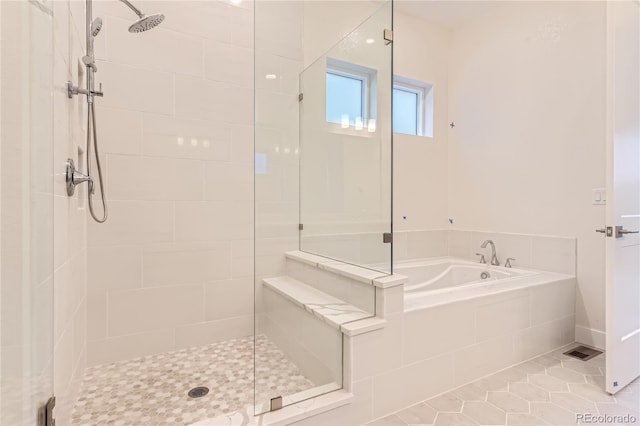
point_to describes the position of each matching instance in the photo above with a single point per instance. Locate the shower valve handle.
(75, 90)
(75, 178)
(99, 91)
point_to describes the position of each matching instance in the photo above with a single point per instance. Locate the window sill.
(336, 129)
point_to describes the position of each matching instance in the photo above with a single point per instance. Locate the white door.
(623, 187)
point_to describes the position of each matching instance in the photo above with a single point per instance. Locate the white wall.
(172, 266)
(527, 94)
(420, 188)
(325, 23)
(524, 84)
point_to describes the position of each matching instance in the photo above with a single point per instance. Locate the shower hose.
(91, 131)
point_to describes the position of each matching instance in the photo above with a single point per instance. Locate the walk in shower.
(166, 312)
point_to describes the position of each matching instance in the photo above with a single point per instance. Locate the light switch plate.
(599, 196)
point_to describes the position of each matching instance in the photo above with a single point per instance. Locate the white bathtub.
(442, 273)
(443, 280)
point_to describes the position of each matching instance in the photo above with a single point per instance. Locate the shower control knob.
(74, 178)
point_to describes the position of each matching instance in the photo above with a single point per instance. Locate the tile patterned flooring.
(551, 389)
(153, 390)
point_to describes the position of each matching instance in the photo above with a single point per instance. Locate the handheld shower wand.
(93, 27)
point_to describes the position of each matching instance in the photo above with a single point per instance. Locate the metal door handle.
(602, 230)
(620, 232)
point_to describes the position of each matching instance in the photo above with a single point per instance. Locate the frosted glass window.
(344, 97)
(406, 111)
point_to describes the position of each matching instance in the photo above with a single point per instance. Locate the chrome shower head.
(96, 26)
(146, 23)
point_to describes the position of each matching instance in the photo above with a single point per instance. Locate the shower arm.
(132, 7)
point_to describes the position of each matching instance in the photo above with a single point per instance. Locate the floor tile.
(531, 367)
(471, 392)
(616, 410)
(517, 419)
(567, 375)
(418, 414)
(548, 361)
(508, 402)
(552, 413)
(529, 392)
(484, 413)
(549, 390)
(392, 420)
(582, 367)
(454, 419)
(591, 392)
(153, 390)
(572, 402)
(599, 381)
(448, 403)
(548, 383)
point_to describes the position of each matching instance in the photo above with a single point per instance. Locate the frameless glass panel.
(26, 243)
(405, 112)
(298, 355)
(344, 98)
(345, 153)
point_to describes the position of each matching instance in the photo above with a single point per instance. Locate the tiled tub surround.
(153, 390)
(426, 348)
(542, 252)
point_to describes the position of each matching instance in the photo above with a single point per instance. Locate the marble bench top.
(331, 310)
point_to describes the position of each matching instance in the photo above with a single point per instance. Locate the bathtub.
(443, 280)
(477, 319)
(443, 273)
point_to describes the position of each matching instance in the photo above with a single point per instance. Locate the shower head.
(96, 26)
(146, 23)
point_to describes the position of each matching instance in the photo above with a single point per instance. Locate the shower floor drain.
(198, 392)
(583, 353)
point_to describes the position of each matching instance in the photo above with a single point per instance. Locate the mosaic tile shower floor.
(153, 390)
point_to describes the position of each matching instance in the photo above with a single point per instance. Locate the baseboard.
(590, 337)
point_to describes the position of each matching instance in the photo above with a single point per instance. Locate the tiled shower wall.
(70, 213)
(172, 267)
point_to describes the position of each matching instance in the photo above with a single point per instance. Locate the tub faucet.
(494, 258)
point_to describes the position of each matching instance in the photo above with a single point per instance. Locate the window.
(350, 94)
(412, 107)
(345, 98)
(406, 111)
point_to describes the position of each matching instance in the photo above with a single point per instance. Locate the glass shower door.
(26, 203)
(345, 147)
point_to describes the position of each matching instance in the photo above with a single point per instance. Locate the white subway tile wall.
(71, 296)
(172, 268)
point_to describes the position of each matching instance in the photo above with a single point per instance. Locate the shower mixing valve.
(74, 178)
(75, 90)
